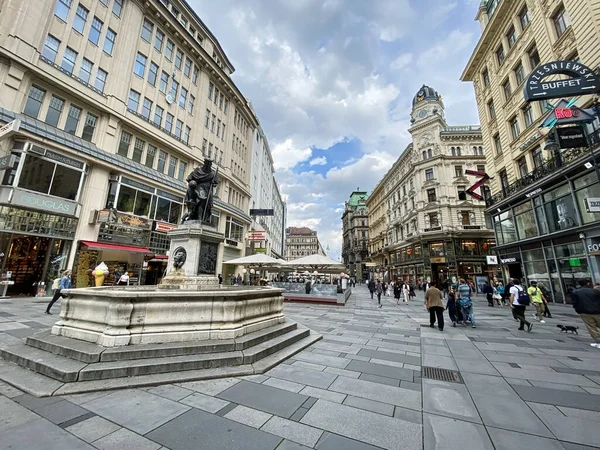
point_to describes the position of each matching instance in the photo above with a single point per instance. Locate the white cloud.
(320, 161)
(287, 156)
(401, 61)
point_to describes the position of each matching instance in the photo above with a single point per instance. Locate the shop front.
(39, 212)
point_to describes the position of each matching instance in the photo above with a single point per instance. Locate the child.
(451, 306)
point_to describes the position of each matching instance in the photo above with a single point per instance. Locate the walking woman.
(65, 283)
(397, 292)
(379, 291)
(405, 292)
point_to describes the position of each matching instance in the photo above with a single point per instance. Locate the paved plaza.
(361, 387)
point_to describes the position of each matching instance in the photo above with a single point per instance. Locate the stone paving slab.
(382, 393)
(450, 400)
(559, 397)
(40, 434)
(443, 433)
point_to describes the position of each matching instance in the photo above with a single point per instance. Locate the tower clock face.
(422, 113)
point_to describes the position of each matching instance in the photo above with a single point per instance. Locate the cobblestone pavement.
(362, 387)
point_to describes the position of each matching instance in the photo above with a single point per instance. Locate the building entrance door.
(439, 273)
(26, 259)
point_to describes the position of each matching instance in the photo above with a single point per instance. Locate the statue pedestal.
(201, 244)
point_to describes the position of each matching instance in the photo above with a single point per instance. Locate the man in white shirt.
(516, 292)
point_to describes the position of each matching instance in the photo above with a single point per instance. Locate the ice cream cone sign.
(100, 272)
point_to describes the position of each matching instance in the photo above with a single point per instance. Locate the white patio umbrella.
(315, 262)
(256, 260)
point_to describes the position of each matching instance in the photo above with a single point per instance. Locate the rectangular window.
(140, 65)
(50, 48)
(191, 104)
(164, 80)
(195, 75)
(182, 170)
(534, 58)
(561, 22)
(162, 161)
(433, 220)
(174, 88)
(100, 80)
(520, 74)
(169, 50)
(514, 127)
(80, 18)
(159, 38)
(147, 29)
(507, 89)
(54, 110)
(212, 123)
(458, 171)
(152, 73)
(500, 55)
(88, 127)
(183, 97)
(218, 127)
(465, 219)
(169, 122)
(211, 88)
(223, 133)
(524, 17)
(150, 156)
(172, 165)
(216, 96)
(188, 67)
(497, 144)
(536, 156)
(85, 72)
(95, 31)
(428, 174)
(138, 150)
(158, 115)
(462, 193)
(511, 36)
(109, 41)
(522, 166)
(431, 195)
(480, 168)
(221, 97)
(225, 104)
(178, 58)
(117, 7)
(528, 115)
(73, 119)
(485, 76)
(49, 178)
(146, 108)
(124, 142)
(492, 109)
(134, 100)
(207, 118)
(186, 135)
(68, 62)
(204, 144)
(62, 9)
(178, 128)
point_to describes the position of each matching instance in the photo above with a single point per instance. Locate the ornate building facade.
(433, 230)
(301, 242)
(355, 229)
(544, 230)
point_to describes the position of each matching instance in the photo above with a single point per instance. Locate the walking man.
(371, 286)
(488, 290)
(586, 301)
(465, 302)
(379, 290)
(433, 303)
(519, 300)
(65, 283)
(537, 298)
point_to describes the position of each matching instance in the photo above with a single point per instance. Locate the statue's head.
(179, 258)
(207, 165)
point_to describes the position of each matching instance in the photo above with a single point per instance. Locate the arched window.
(457, 151)
(474, 150)
(429, 153)
(424, 154)
(452, 151)
(480, 148)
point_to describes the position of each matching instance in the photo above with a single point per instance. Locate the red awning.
(122, 248)
(161, 257)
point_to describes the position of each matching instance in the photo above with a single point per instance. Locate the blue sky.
(332, 83)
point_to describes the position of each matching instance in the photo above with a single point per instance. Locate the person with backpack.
(519, 301)
(537, 298)
(465, 303)
(371, 286)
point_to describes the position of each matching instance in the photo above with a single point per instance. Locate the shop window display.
(560, 209)
(525, 220)
(587, 187)
(46, 177)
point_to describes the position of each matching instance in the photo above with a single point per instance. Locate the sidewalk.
(363, 386)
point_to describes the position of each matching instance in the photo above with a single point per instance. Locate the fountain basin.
(114, 317)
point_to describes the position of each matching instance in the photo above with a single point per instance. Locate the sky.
(332, 82)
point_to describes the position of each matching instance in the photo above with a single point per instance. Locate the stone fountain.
(187, 328)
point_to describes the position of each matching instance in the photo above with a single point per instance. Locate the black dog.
(566, 328)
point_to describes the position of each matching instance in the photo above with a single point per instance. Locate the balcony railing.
(547, 168)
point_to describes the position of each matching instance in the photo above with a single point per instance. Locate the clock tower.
(427, 103)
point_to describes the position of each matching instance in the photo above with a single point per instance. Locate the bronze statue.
(199, 195)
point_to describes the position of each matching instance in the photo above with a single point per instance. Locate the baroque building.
(545, 231)
(355, 232)
(301, 242)
(109, 105)
(429, 228)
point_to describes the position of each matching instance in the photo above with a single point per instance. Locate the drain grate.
(435, 373)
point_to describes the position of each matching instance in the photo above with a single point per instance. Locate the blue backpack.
(523, 298)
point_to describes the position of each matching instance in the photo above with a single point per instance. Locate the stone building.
(301, 242)
(111, 103)
(376, 208)
(544, 230)
(429, 227)
(355, 232)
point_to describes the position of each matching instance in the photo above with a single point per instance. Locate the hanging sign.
(484, 179)
(571, 137)
(583, 80)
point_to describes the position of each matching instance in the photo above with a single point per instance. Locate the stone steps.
(54, 366)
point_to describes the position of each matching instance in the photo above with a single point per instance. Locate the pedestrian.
(547, 299)
(220, 279)
(451, 305)
(371, 286)
(433, 303)
(397, 292)
(586, 301)
(233, 279)
(405, 292)
(379, 290)
(511, 283)
(123, 279)
(489, 293)
(65, 283)
(445, 286)
(384, 287)
(411, 292)
(465, 303)
(307, 287)
(238, 280)
(496, 295)
(537, 298)
(519, 300)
